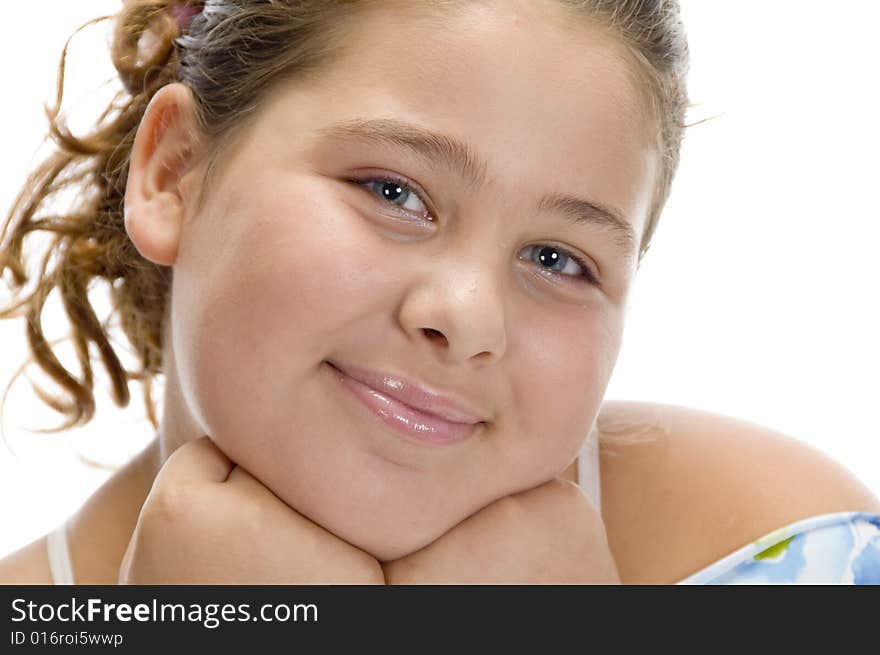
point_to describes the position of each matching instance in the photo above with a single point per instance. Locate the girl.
(381, 253)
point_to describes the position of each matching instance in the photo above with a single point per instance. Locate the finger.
(198, 461)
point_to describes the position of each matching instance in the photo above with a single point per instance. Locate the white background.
(758, 298)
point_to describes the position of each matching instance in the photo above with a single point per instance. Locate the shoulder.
(26, 566)
(682, 488)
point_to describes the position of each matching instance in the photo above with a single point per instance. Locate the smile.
(404, 421)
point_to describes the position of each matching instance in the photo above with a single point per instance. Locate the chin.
(388, 536)
(385, 551)
(394, 544)
(409, 544)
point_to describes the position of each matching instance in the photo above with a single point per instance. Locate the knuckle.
(360, 567)
(369, 571)
(557, 499)
(559, 490)
(170, 502)
(508, 508)
(569, 498)
(255, 515)
(567, 490)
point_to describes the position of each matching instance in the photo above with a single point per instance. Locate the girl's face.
(401, 214)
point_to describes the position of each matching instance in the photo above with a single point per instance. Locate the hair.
(231, 54)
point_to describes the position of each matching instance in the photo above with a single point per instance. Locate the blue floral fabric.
(840, 548)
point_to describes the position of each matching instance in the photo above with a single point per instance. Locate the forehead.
(543, 96)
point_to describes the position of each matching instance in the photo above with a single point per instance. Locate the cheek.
(257, 306)
(562, 383)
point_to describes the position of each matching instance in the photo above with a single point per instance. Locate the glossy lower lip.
(403, 419)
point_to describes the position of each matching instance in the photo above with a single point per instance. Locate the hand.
(551, 534)
(208, 521)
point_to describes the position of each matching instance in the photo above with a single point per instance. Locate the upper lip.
(446, 405)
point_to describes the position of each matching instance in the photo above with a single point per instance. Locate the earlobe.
(163, 150)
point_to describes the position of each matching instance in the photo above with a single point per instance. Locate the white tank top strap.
(588, 468)
(59, 556)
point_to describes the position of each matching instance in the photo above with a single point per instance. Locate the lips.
(444, 406)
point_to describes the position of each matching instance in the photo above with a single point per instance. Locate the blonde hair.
(231, 54)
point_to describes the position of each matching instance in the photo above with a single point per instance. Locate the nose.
(456, 307)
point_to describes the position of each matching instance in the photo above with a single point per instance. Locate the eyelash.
(587, 277)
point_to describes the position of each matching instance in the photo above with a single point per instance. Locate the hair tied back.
(184, 14)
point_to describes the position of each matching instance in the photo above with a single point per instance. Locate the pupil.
(546, 258)
(391, 191)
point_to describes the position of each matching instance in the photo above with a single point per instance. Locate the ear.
(163, 151)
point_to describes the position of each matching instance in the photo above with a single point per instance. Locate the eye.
(558, 259)
(397, 192)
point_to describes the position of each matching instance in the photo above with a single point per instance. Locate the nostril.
(431, 333)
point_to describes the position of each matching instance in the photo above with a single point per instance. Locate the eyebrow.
(460, 157)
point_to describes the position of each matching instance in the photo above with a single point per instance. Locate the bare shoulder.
(27, 565)
(682, 488)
